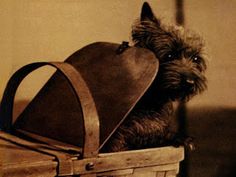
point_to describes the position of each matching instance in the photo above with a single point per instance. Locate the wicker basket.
(19, 157)
(39, 156)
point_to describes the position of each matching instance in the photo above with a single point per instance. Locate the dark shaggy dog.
(180, 77)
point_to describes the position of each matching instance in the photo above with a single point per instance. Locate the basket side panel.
(171, 173)
(143, 173)
(169, 170)
(161, 174)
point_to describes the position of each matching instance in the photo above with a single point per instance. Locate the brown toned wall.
(211, 116)
(215, 20)
(36, 30)
(42, 30)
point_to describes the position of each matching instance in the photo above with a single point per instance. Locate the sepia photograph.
(117, 88)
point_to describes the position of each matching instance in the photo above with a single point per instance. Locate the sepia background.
(42, 30)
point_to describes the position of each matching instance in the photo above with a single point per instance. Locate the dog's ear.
(147, 14)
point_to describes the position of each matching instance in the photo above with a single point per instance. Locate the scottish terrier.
(180, 77)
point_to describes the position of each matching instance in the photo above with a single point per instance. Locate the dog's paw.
(187, 142)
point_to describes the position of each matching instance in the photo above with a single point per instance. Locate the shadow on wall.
(215, 131)
(19, 106)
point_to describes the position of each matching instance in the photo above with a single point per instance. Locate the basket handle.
(90, 115)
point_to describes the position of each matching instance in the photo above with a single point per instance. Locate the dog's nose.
(187, 81)
(190, 81)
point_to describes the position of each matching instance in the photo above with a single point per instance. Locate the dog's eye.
(170, 56)
(195, 58)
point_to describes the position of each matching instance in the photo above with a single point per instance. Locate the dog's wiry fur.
(180, 77)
